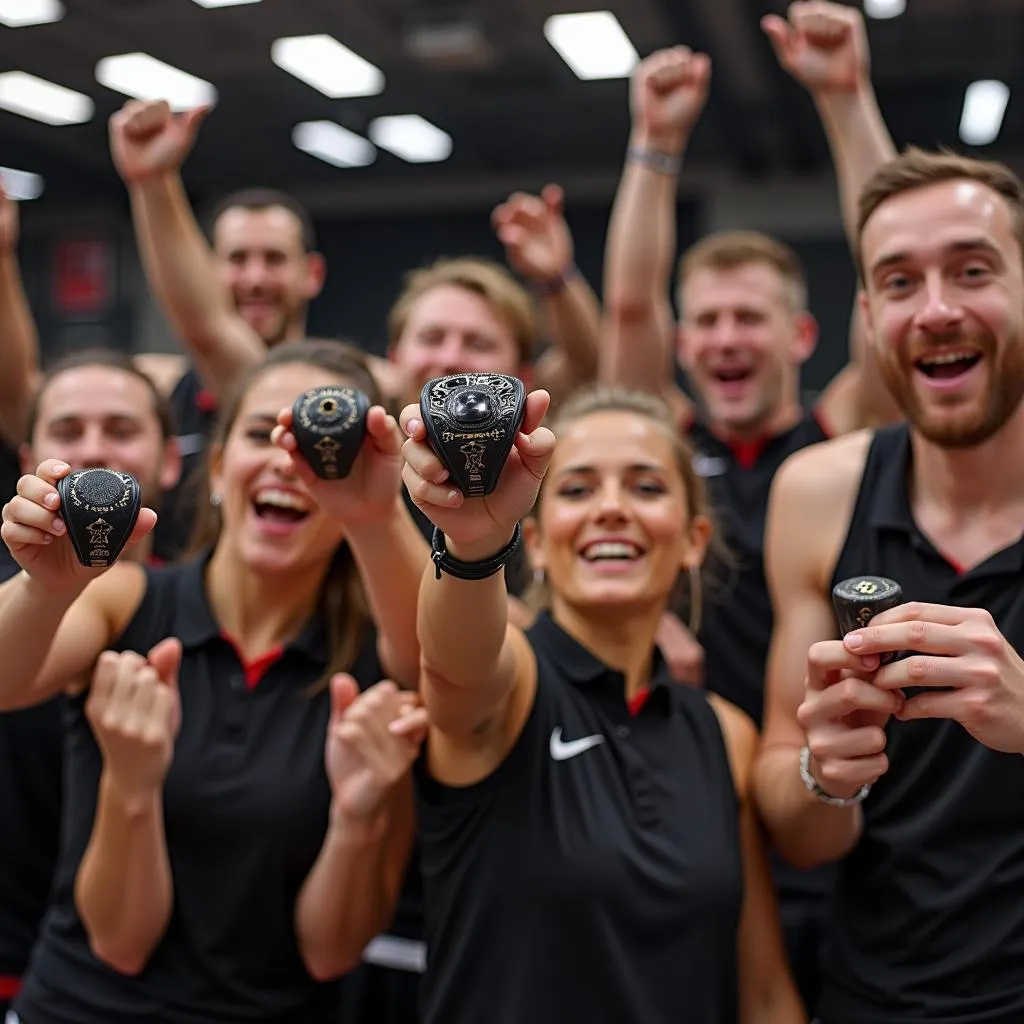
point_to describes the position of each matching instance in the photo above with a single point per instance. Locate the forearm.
(462, 624)
(348, 898)
(180, 271)
(391, 554)
(806, 831)
(123, 890)
(19, 351)
(29, 620)
(573, 318)
(859, 141)
(637, 349)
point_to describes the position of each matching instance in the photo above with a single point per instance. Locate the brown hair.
(508, 300)
(259, 199)
(917, 168)
(598, 398)
(343, 601)
(111, 359)
(729, 250)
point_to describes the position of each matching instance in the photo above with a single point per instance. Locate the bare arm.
(668, 93)
(809, 509)
(766, 990)
(19, 344)
(149, 144)
(572, 314)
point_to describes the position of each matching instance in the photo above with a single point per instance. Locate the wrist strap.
(443, 561)
(553, 285)
(814, 787)
(662, 163)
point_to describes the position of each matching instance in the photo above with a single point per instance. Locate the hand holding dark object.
(472, 420)
(859, 599)
(329, 424)
(100, 508)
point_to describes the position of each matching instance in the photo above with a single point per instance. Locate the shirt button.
(623, 731)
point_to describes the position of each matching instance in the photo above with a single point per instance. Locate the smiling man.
(899, 771)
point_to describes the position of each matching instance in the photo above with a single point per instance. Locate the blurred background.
(402, 123)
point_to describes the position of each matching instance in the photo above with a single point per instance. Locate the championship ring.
(859, 599)
(329, 425)
(472, 420)
(99, 508)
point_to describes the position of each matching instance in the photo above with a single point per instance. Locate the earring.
(538, 577)
(215, 499)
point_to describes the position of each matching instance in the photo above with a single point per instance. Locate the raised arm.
(810, 506)
(668, 93)
(766, 989)
(56, 616)
(149, 145)
(123, 890)
(824, 47)
(19, 344)
(539, 247)
(387, 545)
(351, 893)
(478, 673)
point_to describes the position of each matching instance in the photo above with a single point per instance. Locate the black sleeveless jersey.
(929, 913)
(596, 875)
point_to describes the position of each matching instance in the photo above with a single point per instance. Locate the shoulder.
(829, 465)
(741, 740)
(118, 593)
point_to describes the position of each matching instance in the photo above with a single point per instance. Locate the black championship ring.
(329, 425)
(99, 508)
(859, 599)
(472, 420)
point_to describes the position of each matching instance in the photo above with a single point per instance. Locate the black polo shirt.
(246, 805)
(30, 805)
(736, 627)
(10, 473)
(596, 875)
(195, 414)
(929, 914)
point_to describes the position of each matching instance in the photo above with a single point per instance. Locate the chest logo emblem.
(562, 750)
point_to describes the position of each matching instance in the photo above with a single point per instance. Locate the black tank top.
(929, 913)
(596, 875)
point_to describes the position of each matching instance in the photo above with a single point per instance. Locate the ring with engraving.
(100, 508)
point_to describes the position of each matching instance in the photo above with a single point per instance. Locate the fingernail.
(51, 501)
(58, 526)
(412, 427)
(853, 641)
(61, 467)
(453, 496)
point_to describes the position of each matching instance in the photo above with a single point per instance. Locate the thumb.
(344, 691)
(165, 657)
(554, 199)
(777, 31)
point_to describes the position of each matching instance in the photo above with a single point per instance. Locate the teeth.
(944, 358)
(610, 549)
(280, 499)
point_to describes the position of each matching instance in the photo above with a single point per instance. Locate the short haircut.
(729, 250)
(918, 168)
(257, 199)
(507, 299)
(111, 359)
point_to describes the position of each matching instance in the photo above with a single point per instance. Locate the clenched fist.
(147, 139)
(667, 94)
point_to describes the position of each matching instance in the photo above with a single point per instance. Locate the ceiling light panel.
(593, 44)
(328, 66)
(411, 138)
(145, 78)
(333, 144)
(24, 94)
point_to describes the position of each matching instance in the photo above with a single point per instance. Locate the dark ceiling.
(522, 113)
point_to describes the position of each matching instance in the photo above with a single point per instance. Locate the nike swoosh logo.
(561, 751)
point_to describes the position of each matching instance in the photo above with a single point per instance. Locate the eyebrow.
(965, 245)
(636, 467)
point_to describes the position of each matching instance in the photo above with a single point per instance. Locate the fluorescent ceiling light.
(21, 185)
(19, 13)
(41, 100)
(884, 8)
(412, 138)
(333, 144)
(145, 78)
(328, 66)
(224, 3)
(592, 44)
(982, 117)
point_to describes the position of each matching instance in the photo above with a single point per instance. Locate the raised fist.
(668, 93)
(147, 139)
(533, 230)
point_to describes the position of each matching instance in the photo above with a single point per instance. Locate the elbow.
(329, 964)
(628, 310)
(126, 958)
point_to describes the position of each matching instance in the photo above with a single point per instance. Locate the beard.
(956, 424)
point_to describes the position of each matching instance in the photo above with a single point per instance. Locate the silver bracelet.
(662, 163)
(814, 787)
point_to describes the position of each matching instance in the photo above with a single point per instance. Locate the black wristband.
(556, 284)
(443, 561)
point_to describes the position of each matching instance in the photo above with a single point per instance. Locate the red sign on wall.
(82, 277)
